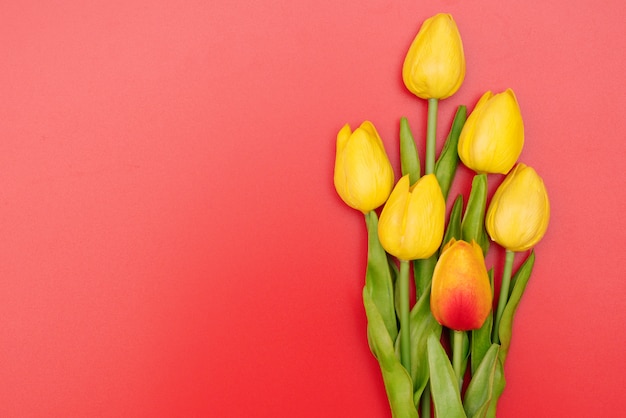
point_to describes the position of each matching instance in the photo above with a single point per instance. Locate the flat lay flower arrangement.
(445, 352)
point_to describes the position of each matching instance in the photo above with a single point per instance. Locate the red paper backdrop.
(172, 244)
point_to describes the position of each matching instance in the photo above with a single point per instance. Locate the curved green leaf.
(397, 381)
(454, 223)
(520, 279)
(378, 278)
(409, 158)
(446, 165)
(486, 385)
(423, 273)
(423, 324)
(443, 382)
(481, 338)
(473, 224)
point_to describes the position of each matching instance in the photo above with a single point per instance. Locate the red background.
(172, 244)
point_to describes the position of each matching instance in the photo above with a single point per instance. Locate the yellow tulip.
(493, 135)
(412, 221)
(434, 67)
(363, 174)
(461, 294)
(519, 211)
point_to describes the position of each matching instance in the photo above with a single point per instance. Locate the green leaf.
(423, 273)
(423, 324)
(409, 158)
(378, 277)
(446, 165)
(473, 224)
(486, 386)
(396, 379)
(481, 338)
(520, 280)
(443, 382)
(454, 223)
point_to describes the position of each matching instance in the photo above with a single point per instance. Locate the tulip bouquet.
(446, 350)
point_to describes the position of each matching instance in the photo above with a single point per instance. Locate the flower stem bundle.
(447, 350)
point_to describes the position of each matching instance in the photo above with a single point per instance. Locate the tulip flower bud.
(412, 221)
(461, 294)
(493, 135)
(434, 67)
(519, 212)
(363, 174)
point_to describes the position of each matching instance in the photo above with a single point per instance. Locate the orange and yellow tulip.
(461, 295)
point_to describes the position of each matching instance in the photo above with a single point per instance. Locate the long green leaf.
(378, 278)
(481, 338)
(473, 224)
(443, 382)
(498, 388)
(423, 324)
(446, 165)
(423, 273)
(454, 223)
(409, 158)
(486, 385)
(397, 381)
(520, 280)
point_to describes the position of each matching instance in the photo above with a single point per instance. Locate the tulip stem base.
(457, 356)
(425, 402)
(431, 135)
(504, 293)
(403, 306)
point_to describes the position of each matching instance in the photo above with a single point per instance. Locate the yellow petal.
(493, 136)
(519, 211)
(434, 66)
(412, 221)
(363, 175)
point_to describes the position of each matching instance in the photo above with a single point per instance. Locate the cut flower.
(412, 221)
(434, 67)
(493, 135)
(461, 294)
(363, 174)
(519, 212)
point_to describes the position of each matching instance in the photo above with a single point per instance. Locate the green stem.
(405, 324)
(504, 293)
(431, 135)
(457, 356)
(425, 403)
